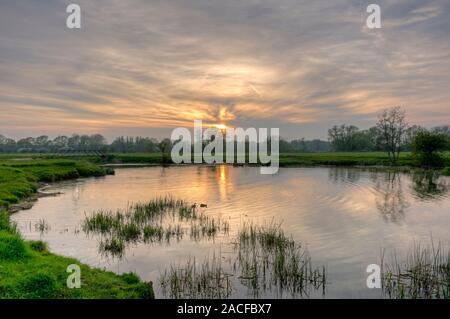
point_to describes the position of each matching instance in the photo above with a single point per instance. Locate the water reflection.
(395, 190)
(391, 200)
(341, 174)
(430, 186)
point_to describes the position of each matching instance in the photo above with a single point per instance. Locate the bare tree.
(391, 130)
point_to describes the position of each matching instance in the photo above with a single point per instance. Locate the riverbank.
(27, 268)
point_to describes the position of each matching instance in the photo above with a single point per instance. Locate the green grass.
(299, 159)
(28, 269)
(286, 159)
(19, 179)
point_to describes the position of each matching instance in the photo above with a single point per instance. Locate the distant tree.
(426, 148)
(26, 144)
(74, 141)
(391, 130)
(97, 141)
(344, 137)
(60, 142)
(444, 129)
(410, 134)
(7, 145)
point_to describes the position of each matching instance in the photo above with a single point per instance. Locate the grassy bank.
(20, 178)
(27, 268)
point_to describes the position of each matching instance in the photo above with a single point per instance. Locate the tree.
(60, 142)
(344, 137)
(7, 144)
(426, 147)
(410, 134)
(391, 129)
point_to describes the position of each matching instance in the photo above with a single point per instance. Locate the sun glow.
(221, 126)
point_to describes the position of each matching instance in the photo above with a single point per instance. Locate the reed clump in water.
(194, 281)
(159, 220)
(267, 258)
(42, 226)
(425, 274)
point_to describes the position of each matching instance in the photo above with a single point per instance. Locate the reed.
(268, 259)
(424, 274)
(194, 281)
(157, 221)
(42, 226)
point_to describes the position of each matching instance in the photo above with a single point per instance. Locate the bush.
(12, 247)
(426, 148)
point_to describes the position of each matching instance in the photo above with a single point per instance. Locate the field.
(286, 159)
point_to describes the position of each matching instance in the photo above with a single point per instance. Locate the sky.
(144, 67)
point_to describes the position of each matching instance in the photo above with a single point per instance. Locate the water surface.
(344, 216)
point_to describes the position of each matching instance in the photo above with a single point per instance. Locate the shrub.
(426, 148)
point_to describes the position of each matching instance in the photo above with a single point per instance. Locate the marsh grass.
(267, 259)
(196, 281)
(264, 259)
(42, 226)
(425, 274)
(157, 221)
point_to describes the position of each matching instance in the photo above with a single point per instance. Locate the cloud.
(159, 64)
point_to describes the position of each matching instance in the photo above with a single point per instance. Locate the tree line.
(391, 134)
(122, 144)
(43, 144)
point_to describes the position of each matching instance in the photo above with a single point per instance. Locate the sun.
(221, 126)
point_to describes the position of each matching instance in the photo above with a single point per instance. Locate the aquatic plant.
(42, 226)
(267, 258)
(194, 281)
(425, 274)
(156, 221)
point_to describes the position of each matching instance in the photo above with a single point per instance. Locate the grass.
(156, 221)
(267, 258)
(19, 179)
(424, 274)
(194, 281)
(286, 159)
(27, 268)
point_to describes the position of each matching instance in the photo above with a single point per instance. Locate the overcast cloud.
(144, 67)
